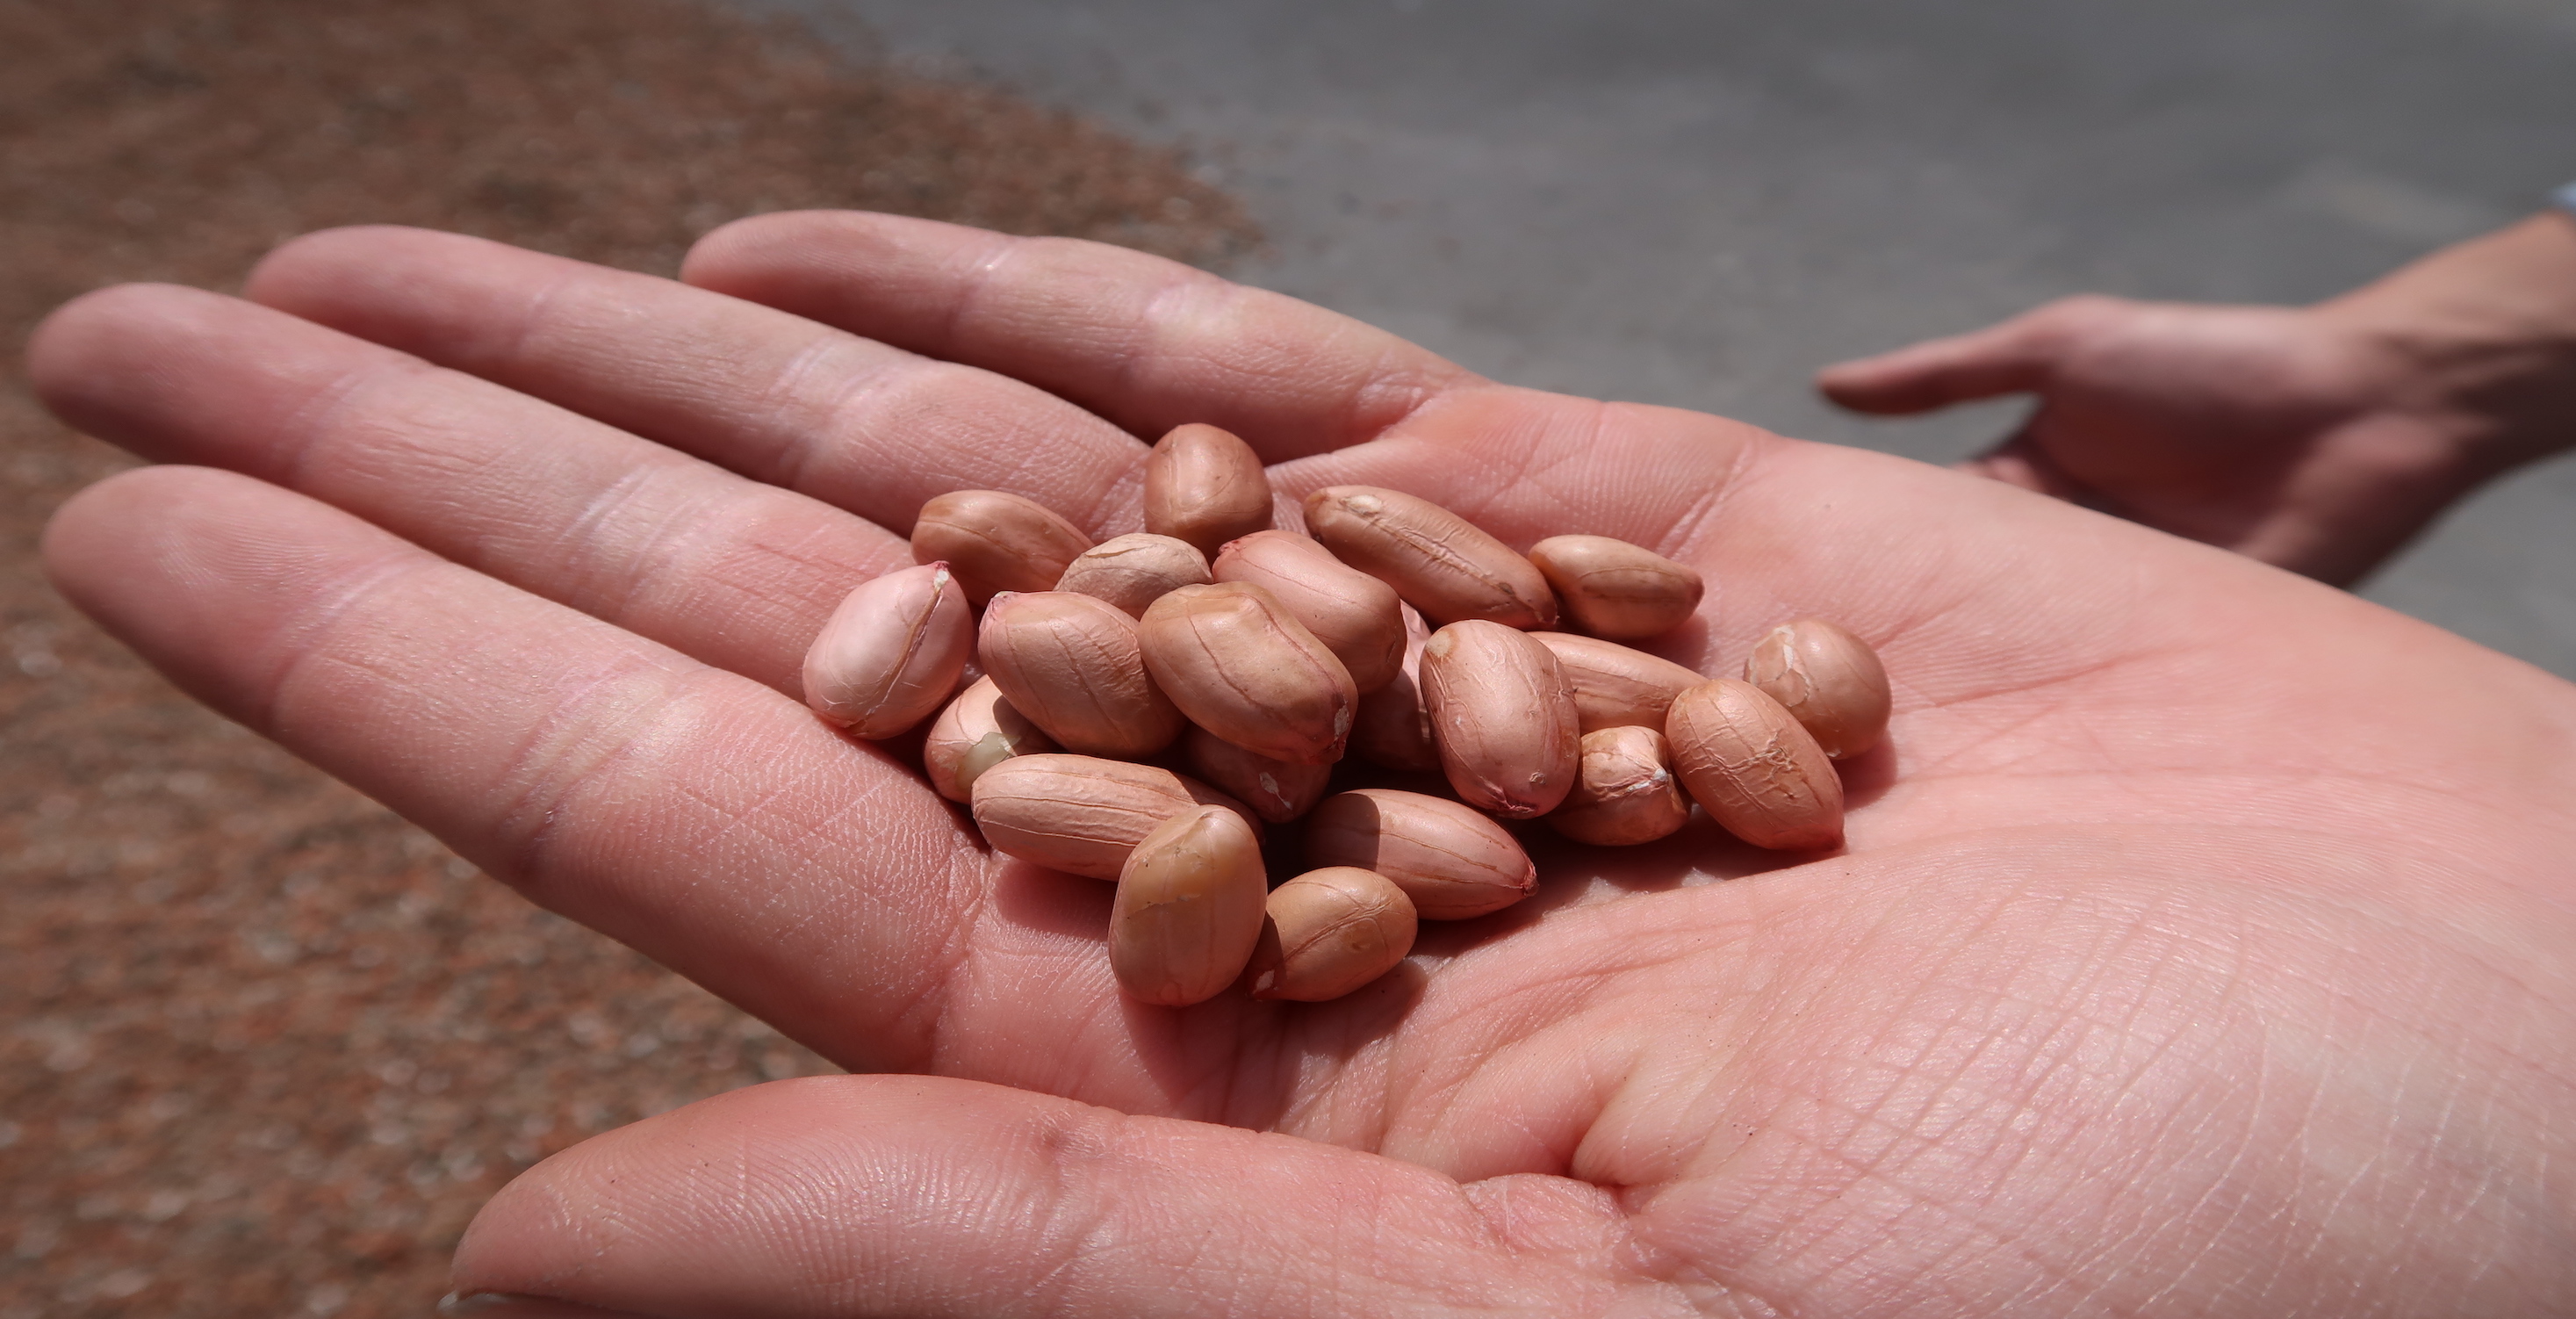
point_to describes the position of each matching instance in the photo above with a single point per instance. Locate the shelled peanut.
(1257, 658)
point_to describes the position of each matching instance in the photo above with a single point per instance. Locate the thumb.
(2014, 357)
(861, 1195)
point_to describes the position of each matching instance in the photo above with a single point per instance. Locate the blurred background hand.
(2320, 439)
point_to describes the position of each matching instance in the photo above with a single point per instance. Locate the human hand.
(2320, 439)
(2200, 945)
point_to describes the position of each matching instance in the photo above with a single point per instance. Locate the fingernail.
(503, 1305)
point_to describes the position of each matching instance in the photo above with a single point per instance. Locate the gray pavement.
(1699, 203)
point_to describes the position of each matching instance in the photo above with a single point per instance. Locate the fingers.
(2014, 357)
(1145, 342)
(729, 571)
(707, 821)
(774, 397)
(849, 1196)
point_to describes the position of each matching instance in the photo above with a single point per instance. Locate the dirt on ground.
(264, 1048)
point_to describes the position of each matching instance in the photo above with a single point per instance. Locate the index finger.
(1145, 342)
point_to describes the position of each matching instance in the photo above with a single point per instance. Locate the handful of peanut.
(1258, 657)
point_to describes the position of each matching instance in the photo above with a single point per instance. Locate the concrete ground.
(1698, 202)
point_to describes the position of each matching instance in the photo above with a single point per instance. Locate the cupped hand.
(2292, 435)
(2201, 944)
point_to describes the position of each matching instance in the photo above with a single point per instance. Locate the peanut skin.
(995, 542)
(1439, 562)
(891, 653)
(1625, 793)
(1354, 614)
(1071, 664)
(1615, 589)
(1275, 790)
(1189, 910)
(1329, 932)
(1502, 717)
(1242, 667)
(1134, 571)
(1082, 814)
(1452, 862)
(978, 730)
(1205, 486)
(1828, 678)
(1749, 764)
(1392, 728)
(1616, 686)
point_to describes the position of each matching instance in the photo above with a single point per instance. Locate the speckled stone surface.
(265, 1048)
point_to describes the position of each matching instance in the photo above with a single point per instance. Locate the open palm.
(2201, 945)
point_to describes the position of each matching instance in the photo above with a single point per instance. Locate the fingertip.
(290, 263)
(106, 544)
(201, 572)
(83, 344)
(741, 256)
(716, 257)
(332, 253)
(102, 520)
(356, 278)
(1868, 384)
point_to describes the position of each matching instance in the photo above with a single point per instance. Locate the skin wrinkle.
(1900, 1060)
(1691, 535)
(1874, 1164)
(1930, 1139)
(1406, 392)
(547, 788)
(301, 638)
(888, 555)
(537, 319)
(755, 820)
(1979, 1242)
(1544, 1003)
(983, 269)
(1151, 328)
(1520, 466)
(1072, 1224)
(579, 540)
(317, 416)
(2028, 688)
(2368, 1170)
(1464, 461)
(1537, 470)
(2240, 1163)
(1858, 1174)
(929, 1014)
(810, 430)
